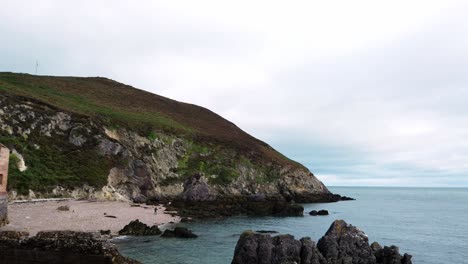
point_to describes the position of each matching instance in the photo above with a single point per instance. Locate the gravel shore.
(82, 216)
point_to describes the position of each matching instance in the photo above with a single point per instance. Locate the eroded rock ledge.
(58, 247)
(342, 244)
(197, 200)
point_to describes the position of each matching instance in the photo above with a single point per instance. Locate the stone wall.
(4, 158)
(3, 209)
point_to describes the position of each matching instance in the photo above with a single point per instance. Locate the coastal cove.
(427, 223)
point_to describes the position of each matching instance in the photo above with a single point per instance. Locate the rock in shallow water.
(137, 228)
(180, 232)
(342, 244)
(320, 212)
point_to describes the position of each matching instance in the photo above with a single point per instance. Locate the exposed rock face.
(20, 160)
(342, 244)
(261, 248)
(389, 255)
(58, 247)
(196, 189)
(180, 232)
(137, 228)
(345, 242)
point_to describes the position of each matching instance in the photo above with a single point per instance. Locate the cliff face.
(60, 149)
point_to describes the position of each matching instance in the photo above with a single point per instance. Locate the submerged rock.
(180, 232)
(137, 228)
(342, 244)
(266, 232)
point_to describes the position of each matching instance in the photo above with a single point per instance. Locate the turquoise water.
(429, 223)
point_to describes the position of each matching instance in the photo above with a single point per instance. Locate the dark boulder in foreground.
(342, 244)
(319, 212)
(137, 228)
(56, 247)
(180, 232)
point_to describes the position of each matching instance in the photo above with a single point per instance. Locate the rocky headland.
(94, 138)
(342, 244)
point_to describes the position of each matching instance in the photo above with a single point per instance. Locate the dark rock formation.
(342, 244)
(237, 205)
(319, 198)
(266, 232)
(319, 212)
(56, 247)
(389, 255)
(345, 242)
(255, 248)
(180, 232)
(196, 190)
(137, 228)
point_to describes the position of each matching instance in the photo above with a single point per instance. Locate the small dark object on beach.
(110, 216)
(105, 232)
(63, 208)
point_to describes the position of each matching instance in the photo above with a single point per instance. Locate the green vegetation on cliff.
(94, 131)
(117, 105)
(54, 163)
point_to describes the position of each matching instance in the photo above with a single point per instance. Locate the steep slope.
(97, 137)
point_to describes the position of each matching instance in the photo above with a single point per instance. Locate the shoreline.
(83, 215)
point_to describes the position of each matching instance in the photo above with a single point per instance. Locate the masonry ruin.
(4, 158)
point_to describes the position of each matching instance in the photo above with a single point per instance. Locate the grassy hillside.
(118, 104)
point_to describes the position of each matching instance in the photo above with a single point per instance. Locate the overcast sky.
(361, 92)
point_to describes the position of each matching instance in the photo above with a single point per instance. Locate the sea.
(429, 223)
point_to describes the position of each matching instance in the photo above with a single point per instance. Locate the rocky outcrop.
(118, 163)
(345, 242)
(196, 189)
(179, 232)
(56, 247)
(137, 228)
(342, 244)
(238, 205)
(319, 212)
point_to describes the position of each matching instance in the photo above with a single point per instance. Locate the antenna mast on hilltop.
(37, 65)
